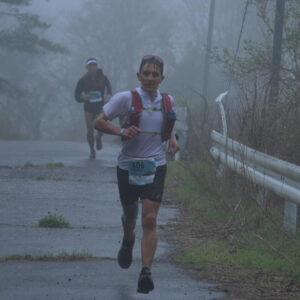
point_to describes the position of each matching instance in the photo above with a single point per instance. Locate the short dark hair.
(152, 59)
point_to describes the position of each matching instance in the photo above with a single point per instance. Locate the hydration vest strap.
(167, 109)
(137, 107)
(167, 104)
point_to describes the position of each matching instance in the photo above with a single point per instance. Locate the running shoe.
(125, 253)
(145, 282)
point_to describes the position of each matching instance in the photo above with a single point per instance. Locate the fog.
(41, 64)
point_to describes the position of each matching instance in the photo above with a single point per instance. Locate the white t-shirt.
(144, 145)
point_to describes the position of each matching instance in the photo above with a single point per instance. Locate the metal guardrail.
(281, 177)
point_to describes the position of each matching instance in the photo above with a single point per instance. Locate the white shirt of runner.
(145, 145)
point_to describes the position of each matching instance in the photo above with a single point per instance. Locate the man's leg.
(149, 244)
(89, 118)
(98, 134)
(99, 140)
(129, 217)
(149, 240)
(128, 197)
(129, 220)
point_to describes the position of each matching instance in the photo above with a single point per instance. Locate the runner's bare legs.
(89, 121)
(129, 223)
(149, 240)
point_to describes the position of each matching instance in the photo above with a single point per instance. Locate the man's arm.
(108, 87)
(103, 124)
(173, 141)
(78, 92)
(173, 144)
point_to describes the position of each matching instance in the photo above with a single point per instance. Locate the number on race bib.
(142, 171)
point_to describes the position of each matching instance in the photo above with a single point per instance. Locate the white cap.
(91, 61)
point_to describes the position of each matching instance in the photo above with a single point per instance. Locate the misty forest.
(238, 47)
(44, 45)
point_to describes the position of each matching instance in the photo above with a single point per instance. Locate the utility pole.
(276, 54)
(208, 48)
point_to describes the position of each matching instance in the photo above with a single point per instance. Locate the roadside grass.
(54, 165)
(64, 256)
(189, 190)
(258, 256)
(54, 221)
(260, 245)
(48, 165)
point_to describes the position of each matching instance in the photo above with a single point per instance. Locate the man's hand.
(85, 97)
(173, 146)
(131, 132)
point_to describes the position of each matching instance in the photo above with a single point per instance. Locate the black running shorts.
(130, 193)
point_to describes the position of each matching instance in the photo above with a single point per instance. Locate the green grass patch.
(54, 165)
(48, 165)
(260, 244)
(54, 221)
(40, 178)
(28, 164)
(64, 256)
(190, 182)
(257, 255)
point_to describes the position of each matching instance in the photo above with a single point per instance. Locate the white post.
(221, 168)
(290, 216)
(222, 111)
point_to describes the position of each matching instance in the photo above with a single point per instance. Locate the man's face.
(150, 77)
(92, 69)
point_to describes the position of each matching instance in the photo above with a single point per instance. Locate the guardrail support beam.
(290, 216)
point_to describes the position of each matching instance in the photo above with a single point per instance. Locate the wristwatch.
(122, 132)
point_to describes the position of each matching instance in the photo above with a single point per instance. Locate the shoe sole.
(145, 285)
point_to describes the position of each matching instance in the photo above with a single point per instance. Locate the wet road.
(85, 193)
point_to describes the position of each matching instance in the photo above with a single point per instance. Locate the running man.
(147, 118)
(93, 89)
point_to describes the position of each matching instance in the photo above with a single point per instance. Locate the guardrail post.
(290, 216)
(261, 197)
(181, 129)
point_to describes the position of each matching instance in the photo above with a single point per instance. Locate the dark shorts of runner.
(131, 193)
(93, 108)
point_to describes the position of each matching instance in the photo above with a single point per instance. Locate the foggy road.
(38, 178)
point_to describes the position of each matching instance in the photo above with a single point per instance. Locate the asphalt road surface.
(41, 178)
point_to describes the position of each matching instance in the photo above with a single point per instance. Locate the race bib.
(141, 171)
(95, 96)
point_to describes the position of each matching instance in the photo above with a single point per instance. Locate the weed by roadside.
(48, 165)
(54, 221)
(64, 256)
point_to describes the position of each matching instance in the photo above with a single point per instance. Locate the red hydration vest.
(167, 110)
